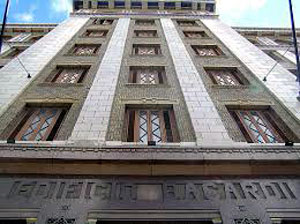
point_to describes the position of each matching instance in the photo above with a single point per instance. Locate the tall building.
(148, 112)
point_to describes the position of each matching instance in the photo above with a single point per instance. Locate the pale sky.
(263, 13)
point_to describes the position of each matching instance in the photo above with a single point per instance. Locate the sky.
(259, 13)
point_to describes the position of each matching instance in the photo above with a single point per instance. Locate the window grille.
(195, 34)
(207, 51)
(144, 125)
(246, 221)
(39, 124)
(70, 75)
(96, 33)
(61, 220)
(146, 76)
(146, 50)
(258, 126)
(224, 77)
(145, 33)
(85, 50)
(186, 23)
(103, 21)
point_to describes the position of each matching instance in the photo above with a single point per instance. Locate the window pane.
(143, 127)
(156, 135)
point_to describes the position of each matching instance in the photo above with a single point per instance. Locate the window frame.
(217, 50)
(204, 36)
(134, 127)
(233, 72)
(27, 118)
(144, 22)
(134, 79)
(137, 32)
(187, 23)
(88, 32)
(60, 69)
(95, 52)
(136, 49)
(269, 121)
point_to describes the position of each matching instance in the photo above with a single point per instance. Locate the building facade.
(148, 112)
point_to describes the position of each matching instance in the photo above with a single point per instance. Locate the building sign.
(160, 191)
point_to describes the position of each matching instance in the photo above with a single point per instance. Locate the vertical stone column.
(204, 116)
(281, 83)
(92, 123)
(13, 78)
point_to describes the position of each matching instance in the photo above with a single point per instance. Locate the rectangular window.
(136, 5)
(145, 33)
(147, 75)
(153, 5)
(210, 7)
(18, 221)
(195, 34)
(186, 5)
(225, 76)
(140, 49)
(102, 4)
(258, 126)
(144, 125)
(170, 5)
(207, 51)
(186, 23)
(144, 22)
(85, 49)
(103, 21)
(39, 124)
(119, 4)
(95, 33)
(14, 52)
(70, 75)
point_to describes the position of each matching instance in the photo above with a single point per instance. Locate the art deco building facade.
(148, 112)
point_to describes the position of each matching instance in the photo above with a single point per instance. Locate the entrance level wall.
(150, 199)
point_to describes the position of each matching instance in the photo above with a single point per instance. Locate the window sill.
(147, 56)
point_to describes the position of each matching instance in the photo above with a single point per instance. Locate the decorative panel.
(85, 50)
(246, 221)
(61, 220)
(205, 51)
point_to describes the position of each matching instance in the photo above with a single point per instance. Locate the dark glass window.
(210, 7)
(136, 5)
(170, 5)
(102, 4)
(119, 4)
(186, 5)
(145, 33)
(195, 34)
(153, 5)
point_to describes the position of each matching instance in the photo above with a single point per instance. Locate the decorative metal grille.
(206, 51)
(224, 77)
(103, 21)
(96, 33)
(145, 33)
(155, 125)
(61, 220)
(69, 76)
(39, 124)
(186, 23)
(246, 221)
(146, 50)
(85, 50)
(143, 127)
(260, 130)
(144, 22)
(147, 76)
(195, 34)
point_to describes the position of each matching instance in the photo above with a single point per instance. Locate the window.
(39, 124)
(144, 125)
(147, 75)
(210, 7)
(293, 71)
(102, 4)
(95, 33)
(290, 222)
(139, 49)
(186, 5)
(153, 5)
(186, 23)
(70, 75)
(144, 22)
(85, 49)
(225, 76)
(35, 39)
(136, 5)
(205, 51)
(18, 221)
(195, 34)
(170, 5)
(258, 126)
(103, 21)
(78, 5)
(145, 33)
(119, 4)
